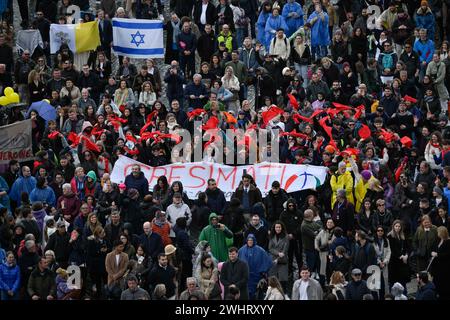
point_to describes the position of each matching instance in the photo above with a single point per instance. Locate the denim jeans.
(318, 52)
(303, 71)
(312, 260)
(4, 296)
(240, 34)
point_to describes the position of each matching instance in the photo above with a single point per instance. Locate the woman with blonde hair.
(274, 290)
(231, 82)
(147, 95)
(338, 285)
(37, 89)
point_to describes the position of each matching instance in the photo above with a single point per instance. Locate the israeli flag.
(138, 38)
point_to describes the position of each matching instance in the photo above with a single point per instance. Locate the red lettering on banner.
(155, 176)
(282, 174)
(232, 174)
(191, 173)
(171, 176)
(211, 170)
(16, 155)
(251, 171)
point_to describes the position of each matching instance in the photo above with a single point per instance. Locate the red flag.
(195, 113)
(328, 131)
(73, 137)
(53, 135)
(296, 134)
(271, 113)
(359, 111)
(212, 123)
(90, 145)
(131, 152)
(387, 136)
(205, 146)
(410, 99)
(293, 101)
(342, 107)
(96, 131)
(364, 132)
(173, 136)
(150, 117)
(296, 117)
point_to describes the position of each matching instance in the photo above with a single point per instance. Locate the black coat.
(344, 217)
(206, 46)
(356, 290)
(398, 271)
(235, 273)
(216, 200)
(274, 204)
(261, 235)
(210, 13)
(106, 33)
(254, 195)
(152, 244)
(165, 276)
(95, 258)
(440, 270)
(170, 53)
(60, 245)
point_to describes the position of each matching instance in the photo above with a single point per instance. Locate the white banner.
(60, 34)
(195, 175)
(138, 38)
(15, 142)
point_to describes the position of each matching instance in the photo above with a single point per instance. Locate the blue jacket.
(248, 57)
(320, 35)
(22, 185)
(292, 23)
(424, 50)
(258, 260)
(44, 195)
(4, 201)
(272, 24)
(261, 26)
(140, 183)
(427, 292)
(9, 277)
(426, 21)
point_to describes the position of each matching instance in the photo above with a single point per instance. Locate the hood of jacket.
(211, 216)
(251, 236)
(91, 174)
(40, 214)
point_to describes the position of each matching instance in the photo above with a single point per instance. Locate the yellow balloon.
(9, 91)
(13, 98)
(3, 101)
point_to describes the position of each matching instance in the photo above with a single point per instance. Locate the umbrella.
(44, 109)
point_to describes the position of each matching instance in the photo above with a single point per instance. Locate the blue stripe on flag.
(139, 51)
(137, 25)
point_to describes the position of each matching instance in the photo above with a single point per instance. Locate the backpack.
(387, 61)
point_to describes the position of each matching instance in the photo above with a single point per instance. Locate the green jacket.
(240, 70)
(216, 239)
(43, 285)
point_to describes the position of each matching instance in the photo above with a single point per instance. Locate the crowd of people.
(366, 98)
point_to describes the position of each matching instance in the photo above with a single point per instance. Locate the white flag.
(138, 38)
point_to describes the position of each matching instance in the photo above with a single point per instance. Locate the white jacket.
(280, 47)
(175, 211)
(429, 156)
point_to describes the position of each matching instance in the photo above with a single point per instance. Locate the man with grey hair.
(192, 289)
(86, 101)
(27, 261)
(68, 204)
(196, 93)
(343, 213)
(309, 230)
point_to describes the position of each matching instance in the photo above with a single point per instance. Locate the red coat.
(164, 232)
(71, 206)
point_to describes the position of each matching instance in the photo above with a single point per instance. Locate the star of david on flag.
(138, 38)
(136, 35)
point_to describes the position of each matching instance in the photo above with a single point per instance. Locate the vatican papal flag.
(79, 37)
